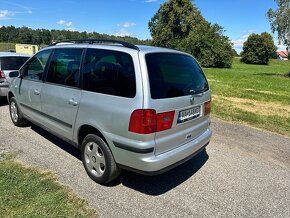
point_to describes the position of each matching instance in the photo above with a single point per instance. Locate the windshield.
(12, 63)
(174, 75)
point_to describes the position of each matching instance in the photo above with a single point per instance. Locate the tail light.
(164, 121)
(143, 121)
(146, 121)
(207, 108)
(2, 75)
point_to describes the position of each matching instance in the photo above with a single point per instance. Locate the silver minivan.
(132, 107)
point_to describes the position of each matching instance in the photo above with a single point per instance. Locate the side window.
(109, 72)
(64, 68)
(34, 68)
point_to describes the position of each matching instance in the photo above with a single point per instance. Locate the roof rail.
(92, 41)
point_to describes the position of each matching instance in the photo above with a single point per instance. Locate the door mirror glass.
(14, 74)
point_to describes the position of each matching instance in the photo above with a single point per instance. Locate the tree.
(45, 37)
(25, 35)
(235, 53)
(173, 22)
(258, 49)
(179, 24)
(207, 44)
(280, 21)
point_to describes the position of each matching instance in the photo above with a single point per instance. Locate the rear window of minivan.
(12, 63)
(174, 75)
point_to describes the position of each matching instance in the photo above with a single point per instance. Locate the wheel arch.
(88, 129)
(10, 95)
(111, 169)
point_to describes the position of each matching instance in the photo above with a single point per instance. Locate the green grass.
(26, 192)
(258, 95)
(7, 46)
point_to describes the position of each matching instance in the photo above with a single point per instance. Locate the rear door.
(177, 84)
(60, 94)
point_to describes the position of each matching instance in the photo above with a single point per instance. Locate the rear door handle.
(73, 102)
(36, 92)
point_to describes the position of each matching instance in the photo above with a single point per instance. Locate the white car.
(9, 61)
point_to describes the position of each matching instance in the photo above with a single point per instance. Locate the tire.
(16, 114)
(98, 160)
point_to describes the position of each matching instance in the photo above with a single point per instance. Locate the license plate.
(188, 114)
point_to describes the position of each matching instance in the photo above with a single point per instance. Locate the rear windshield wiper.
(196, 92)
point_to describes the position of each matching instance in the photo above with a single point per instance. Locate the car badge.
(191, 99)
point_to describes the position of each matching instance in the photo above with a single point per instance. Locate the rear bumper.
(152, 164)
(153, 173)
(4, 89)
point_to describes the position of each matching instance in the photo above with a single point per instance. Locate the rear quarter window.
(109, 72)
(174, 75)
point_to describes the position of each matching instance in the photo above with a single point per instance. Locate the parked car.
(9, 61)
(132, 107)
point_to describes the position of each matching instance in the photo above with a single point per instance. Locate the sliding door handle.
(73, 102)
(36, 92)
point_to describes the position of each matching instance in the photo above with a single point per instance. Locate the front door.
(30, 86)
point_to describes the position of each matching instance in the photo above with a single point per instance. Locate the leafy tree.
(45, 37)
(179, 24)
(8, 34)
(25, 35)
(209, 46)
(235, 53)
(258, 49)
(280, 21)
(173, 22)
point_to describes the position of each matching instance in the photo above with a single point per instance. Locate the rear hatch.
(10, 63)
(179, 89)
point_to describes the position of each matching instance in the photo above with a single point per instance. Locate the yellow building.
(26, 49)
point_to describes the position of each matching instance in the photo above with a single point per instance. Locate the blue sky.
(131, 17)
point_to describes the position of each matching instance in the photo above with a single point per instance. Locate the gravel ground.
(245, 172)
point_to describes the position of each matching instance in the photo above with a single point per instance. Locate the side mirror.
(14, 74)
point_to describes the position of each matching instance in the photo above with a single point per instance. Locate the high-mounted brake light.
(207, 108)
(146, 121)
(2, 75)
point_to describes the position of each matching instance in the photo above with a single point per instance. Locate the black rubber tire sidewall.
(21, 120)
(111, 171)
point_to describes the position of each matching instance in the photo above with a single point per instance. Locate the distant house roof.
(283, 54)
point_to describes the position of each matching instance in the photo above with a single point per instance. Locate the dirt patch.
(258, 107)
(213, 80)
(261, 91)
(265, 92)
